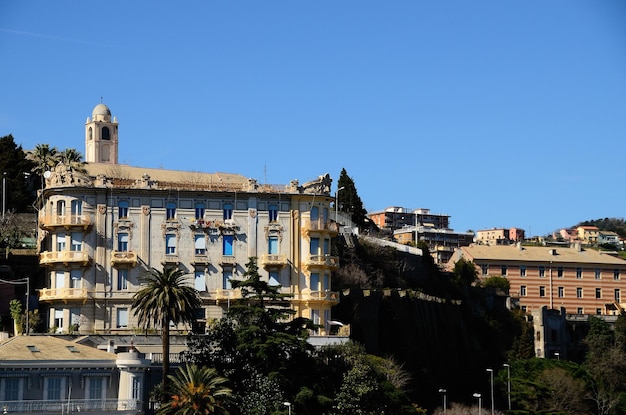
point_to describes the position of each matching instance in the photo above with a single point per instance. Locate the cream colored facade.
(100, 232)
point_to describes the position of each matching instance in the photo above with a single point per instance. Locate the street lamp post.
(443, 392)
(480, 402)
(493, 407)
(288, 405)
(336, 204)
(4, 193)
(508, 383)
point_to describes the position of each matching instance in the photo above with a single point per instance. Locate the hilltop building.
(499, 236)
(422, 225)
(577, 280)
(100, 231)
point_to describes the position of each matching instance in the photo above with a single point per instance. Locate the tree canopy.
(349, 201)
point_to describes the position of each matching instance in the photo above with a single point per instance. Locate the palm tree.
(73, 159)
(196, 391)
(45, 158)
(165, 299)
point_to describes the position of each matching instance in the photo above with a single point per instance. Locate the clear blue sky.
(498, 113)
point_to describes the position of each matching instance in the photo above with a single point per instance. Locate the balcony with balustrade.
(67, 406)
(319, 226)
(273, 261)
(319, 297)
(50, 222)
(321, 261)
(64, 257)
(63, 294)
(124, 258)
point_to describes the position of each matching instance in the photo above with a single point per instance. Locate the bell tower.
(101, 136)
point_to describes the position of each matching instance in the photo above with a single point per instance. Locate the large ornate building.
(100, 231)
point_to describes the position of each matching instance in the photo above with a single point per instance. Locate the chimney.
(111, 347)
(553, 251)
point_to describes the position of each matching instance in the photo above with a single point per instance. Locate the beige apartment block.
(99, 232)
(582, 281)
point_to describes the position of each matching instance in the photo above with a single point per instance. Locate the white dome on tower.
(101, 113)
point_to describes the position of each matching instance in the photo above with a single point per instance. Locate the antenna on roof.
(101, 100)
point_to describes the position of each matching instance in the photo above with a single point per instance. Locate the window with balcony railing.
(122, 209)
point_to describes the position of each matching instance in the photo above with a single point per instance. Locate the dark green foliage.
(349, 201)
(258, 346)
(465, 272)
(498, 283)
(196, 390)
(546, 386)
(15, 170)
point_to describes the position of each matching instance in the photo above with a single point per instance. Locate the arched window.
(90, 134)
(106, 134)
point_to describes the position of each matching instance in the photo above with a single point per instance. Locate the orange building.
(583, 281)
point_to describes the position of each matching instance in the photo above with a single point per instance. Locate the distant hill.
(617, 225)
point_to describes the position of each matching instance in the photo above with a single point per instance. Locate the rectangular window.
(598, 292)
(77, 208)
(272, 245)
(561, 292)
(77, 242)
(95, 388)
(580, 310)
(559, 272)
(522, 270)
(122, 242)
(579, 292)
(524, 308)
(326, 283)
(484, 268)
(75, 276)
(227, 245)
(228, 211)
(273, 213)
(59, 279)
(522, 291)
(11, 389)
(503, 270)
(315, 281)
(579, 273)
(170, 244)
(136, 388)
(199, 281)
(616, 274)
(122, 209)
(170, 211)
(60, 242)
(200, 244)
(199, 210)
(315, 246)
(616, 295)
(542, 271)
(122, 279)
(273, 280)
(542, 291)
(58, 319)
(122, 318)
(598, 273)
(315, 316)
(326, 247)
(227, 275)
(598, 311)
(53, 388)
